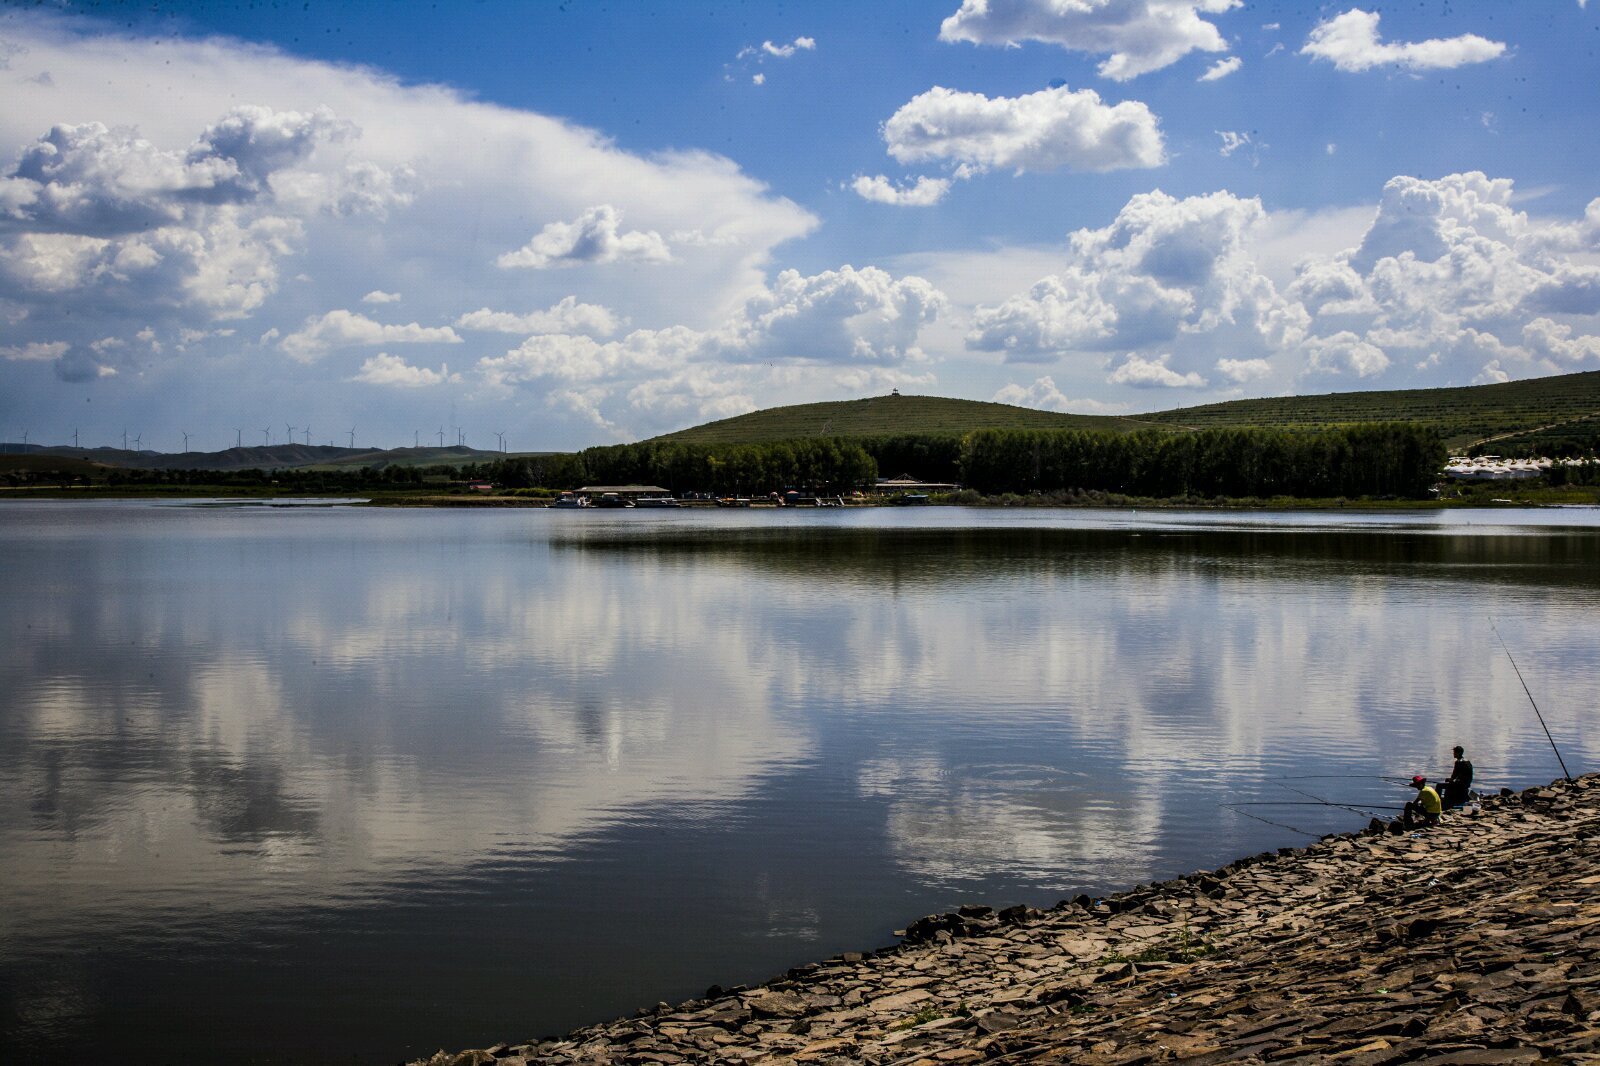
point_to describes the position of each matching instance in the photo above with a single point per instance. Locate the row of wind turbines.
(135, 442)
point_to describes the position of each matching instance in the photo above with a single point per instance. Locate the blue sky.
(580, 223)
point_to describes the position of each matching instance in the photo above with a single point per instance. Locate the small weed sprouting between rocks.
(931, 1013)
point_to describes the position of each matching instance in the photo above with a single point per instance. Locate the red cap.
(1418, 781)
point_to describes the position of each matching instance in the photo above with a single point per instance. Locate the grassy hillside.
(885, 416)
(1569, 402)
(1462, 415)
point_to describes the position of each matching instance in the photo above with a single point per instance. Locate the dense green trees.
(1389, 459)
(1364, 460)
(825, 464)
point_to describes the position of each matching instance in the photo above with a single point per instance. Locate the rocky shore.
(1476, 941)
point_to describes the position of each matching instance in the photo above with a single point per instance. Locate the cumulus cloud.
(924, 192)
(1345, 353)
(567, 316)
(1351, 43)
(1043, 395)
(1450, 267)
(1221, 69)
(386, 369)
(36, 352)
(1137, 36)
(844, 316)
(595, 236)
(342, 329)
(1240, 371)
(129, 198)
(1047, 130)
(1142, 373)
(1446, 277)
(378, 296)
(1165, 268)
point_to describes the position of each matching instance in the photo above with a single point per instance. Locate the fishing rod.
(1364, 811)
(1525, 689)
(1310, 803)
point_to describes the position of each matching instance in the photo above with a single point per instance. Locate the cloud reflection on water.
(255, 715)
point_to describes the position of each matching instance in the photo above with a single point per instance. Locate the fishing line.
(1546, 728)
(1342, 806)
(1235, 809)
(1309, 803)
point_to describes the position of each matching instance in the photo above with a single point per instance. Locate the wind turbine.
(441, 436)
(185, 440)
(416, 438)
(238, 438)
(290, 438)
(308, 436)
(24, 440)
(74, 438)
(502, 435)
(266, 437)
(138, 443)
(352, 436)
(124, 438)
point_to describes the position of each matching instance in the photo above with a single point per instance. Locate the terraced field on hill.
(1570, 403)
(1463, 415)
(886, 416)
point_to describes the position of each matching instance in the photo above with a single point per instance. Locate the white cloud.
(1240, 371)
(1345, 353)
(568, 316)
(1138, 36)
(844, 316)
(1042, 131)
(758, 79)
(1221, 69)
(141, 201)
(1043, 395)
(1350, 42)
(1165, 271)
(784, 51)
(1491, 374)
(35, 352)
(386, 369)
(1142, 373)
(341, 328)
(1555, 341)
(1232, 141)
(593, 237)
(924, 192)
(378, 296)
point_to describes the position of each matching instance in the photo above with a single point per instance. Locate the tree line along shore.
(1377, 461)
(1472, 942)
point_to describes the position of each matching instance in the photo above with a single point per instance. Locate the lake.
(348, 785)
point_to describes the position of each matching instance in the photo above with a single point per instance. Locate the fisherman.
(1458, 787)
(1426, 808)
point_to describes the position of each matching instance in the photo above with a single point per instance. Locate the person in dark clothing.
(1459, 784)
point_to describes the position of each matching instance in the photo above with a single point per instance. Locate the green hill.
(885, 416)
(1567, 405)
(1570, 403)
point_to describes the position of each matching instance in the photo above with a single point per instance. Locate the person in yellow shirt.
(1426, 808)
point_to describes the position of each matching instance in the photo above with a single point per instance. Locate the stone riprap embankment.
(1476, 941)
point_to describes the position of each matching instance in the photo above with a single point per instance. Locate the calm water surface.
(349, 785)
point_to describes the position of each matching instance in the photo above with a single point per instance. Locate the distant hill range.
(1567, 404)
(1564, 406)
(273, 457)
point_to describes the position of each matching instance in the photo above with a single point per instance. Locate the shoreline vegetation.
(1475, 941)
(1380, 465)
